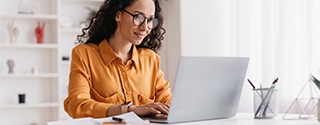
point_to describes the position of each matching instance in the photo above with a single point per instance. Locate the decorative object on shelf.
(91, 14)
(65, 22)
(10, 64)
(83, 24)
(306, 106)
(65, 58)
(22, 98)
(35, 70)
(13, 32)
(27, 6)
(39, 32)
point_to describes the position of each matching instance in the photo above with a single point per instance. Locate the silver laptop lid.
(207, 88)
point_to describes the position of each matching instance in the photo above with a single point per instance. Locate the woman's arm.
(79, 102)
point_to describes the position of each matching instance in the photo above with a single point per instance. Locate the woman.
(115, 69)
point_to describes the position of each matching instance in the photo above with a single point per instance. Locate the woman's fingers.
(160, 116)
(163, 108)
(154, 109)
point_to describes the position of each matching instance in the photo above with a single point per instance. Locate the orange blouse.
(99, 79)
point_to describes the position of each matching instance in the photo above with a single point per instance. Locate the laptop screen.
(207, 88)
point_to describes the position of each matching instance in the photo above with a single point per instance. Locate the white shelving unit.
(46, 90)
(67, 37)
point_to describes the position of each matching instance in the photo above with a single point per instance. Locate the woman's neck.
(121, 47)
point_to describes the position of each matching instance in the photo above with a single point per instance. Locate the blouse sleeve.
(78, 102)
(163, 91)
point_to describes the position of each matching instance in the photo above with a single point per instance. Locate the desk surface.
(239, 119)
(248, 119)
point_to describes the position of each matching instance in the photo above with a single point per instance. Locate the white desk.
(248, 119)
(239, 119)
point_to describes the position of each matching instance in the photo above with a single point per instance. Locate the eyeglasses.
(139, 19)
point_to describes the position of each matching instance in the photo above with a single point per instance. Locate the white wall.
(201, 28)
(274, 34)
(204, 26)
(208, 28)
(171, 50)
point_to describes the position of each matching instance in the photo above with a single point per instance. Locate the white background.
(281, 37)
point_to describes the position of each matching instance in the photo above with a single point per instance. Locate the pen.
(265, 102)
(117, 119)
(275, 81)
(251, 84)
(259, 93)
(121, 120)
(268, 99)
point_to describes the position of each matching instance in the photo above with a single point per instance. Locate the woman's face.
(126, 27)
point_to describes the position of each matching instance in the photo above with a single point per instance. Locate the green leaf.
(315, 80)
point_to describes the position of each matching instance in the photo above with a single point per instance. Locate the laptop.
(206, 88)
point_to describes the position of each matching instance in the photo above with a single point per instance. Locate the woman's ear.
(117, 17)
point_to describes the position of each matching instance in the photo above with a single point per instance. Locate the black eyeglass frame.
(149, 20)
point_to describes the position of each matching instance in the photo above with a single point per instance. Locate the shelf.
(47, 88)
(82, 0)
(71, 30)
(30, 16)
(36, 105)
(65, 62)
(31, 46)
(40, 75)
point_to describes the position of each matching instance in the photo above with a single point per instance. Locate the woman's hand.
(156, 109)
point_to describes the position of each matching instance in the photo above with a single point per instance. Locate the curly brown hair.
(103, 25)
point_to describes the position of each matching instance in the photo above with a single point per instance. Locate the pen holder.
(265, 103)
